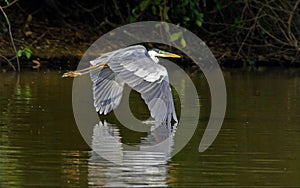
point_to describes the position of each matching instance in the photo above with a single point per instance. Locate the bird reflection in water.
(115, 164)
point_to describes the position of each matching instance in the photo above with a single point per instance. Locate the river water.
(258, 144)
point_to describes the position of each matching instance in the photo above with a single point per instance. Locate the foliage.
(10, 36)
(24, 51)
(5, 1)
(186, 12)
(265, 30)
(260, 30)
(173, 36)
(249, 62)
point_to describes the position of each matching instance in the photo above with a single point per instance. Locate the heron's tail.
(83, 71)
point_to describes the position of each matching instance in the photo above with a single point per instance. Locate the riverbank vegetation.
(246, 32)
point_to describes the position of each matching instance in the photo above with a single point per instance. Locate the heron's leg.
(84, 71)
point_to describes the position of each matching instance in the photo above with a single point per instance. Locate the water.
(259, 143)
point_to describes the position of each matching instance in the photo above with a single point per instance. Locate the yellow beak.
(171, 55)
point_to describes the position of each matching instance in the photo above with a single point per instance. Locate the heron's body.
(139, 69)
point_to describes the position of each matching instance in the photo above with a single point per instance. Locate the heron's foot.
(71, 74)
(84, 71)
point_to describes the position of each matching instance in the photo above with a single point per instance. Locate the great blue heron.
(138, 68)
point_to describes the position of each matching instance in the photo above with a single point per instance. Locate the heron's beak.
(167, 54)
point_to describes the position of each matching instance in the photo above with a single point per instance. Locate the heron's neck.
(154, 58)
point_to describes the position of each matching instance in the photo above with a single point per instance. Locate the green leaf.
(132, 19)
(28, 54)
(19, 53)
(199, 23)
(157, 2)
(237, 21)
(166, 10)
(185, 2)
(144, 5)
(154, 10)
(27, 49)
(236, 24)
(218, 5)
(134, 11)
(200, 16)
(175, 36)
(183, 43)
(167, 28)
(185, 18)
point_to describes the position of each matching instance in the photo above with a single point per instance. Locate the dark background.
(245, 32)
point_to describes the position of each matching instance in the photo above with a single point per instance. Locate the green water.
(259, 143)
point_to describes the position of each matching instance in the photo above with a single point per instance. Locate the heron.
(139, 69)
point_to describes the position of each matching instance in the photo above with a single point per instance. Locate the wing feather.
(107, 90)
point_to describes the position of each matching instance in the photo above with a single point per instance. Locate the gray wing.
(107, 90)
(148, 78)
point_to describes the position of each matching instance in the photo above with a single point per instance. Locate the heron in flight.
(139, 69)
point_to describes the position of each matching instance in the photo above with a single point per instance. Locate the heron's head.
(154, 53)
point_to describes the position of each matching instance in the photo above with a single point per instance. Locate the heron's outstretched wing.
(107, 90)
(140, 72)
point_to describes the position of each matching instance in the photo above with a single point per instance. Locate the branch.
(291, 35)
(118, 11)
(8, 61)
(8, 5)
(11, 37)
(250, 30)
